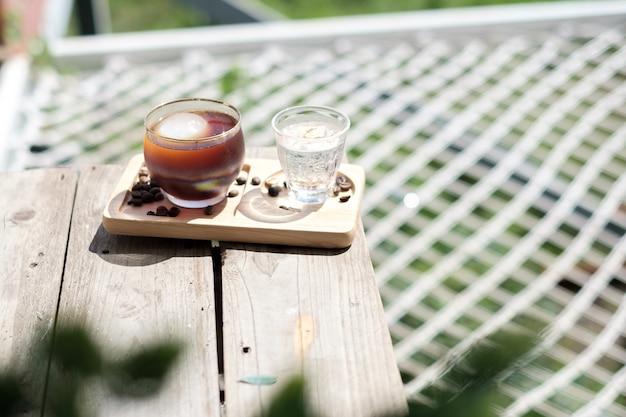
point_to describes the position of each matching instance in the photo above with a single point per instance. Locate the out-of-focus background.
(137, 15)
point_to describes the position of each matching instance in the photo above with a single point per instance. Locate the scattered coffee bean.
(135, 194)
(162, 211)
(144, 178)
(173, 212)
(208, 210)
(274, 180)
(233, 193)
(151, 213)
(147, 198)
(340, 179)
(344, 198)
(240, 180)
(159, 197)
(290, 208)
(336, 190)
(154, 190)
(255, 181)
(345, 186)
(274, 190)
(136, 202)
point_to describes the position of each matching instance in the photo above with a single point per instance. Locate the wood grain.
(35, 211)
(311, 311)
(133, 291)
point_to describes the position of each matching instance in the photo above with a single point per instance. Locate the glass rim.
(312, 108)
(211, 138)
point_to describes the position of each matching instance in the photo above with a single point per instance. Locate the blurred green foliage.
(470, 385)
(139, 15)
(127, 15)
(298, 9)
(68, 360)
(71, 360)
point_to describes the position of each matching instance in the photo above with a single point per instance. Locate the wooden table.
(280, 310)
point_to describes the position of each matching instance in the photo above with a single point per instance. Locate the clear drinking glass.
(194, 149)
(310, 141)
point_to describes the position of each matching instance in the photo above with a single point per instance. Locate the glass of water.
(310, 141)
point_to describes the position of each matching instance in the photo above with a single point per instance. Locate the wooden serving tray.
(251, 216)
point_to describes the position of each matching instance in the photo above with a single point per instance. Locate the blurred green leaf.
(484, 363)
(471, 384)
(259, 379)
(10, 394)
(62, 398)
(144, 372)
(290, 401)
(75, 350)
(230, 80)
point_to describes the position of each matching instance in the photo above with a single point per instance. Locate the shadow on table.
(143, 251)
(283, 249)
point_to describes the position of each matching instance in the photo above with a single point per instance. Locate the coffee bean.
(255, 181)
(289, 208)
(136, 194)
(274, 190)
(162, 211)
(345, 186)
(344, 198)
(233, 193)
(173, 212)
(208, 210)
(147, 198)
(240, 180)
(340, 179)
(151, 213)
(136, 202)
(269, 182)
(159, 197)
(336, 190)
(154, 190)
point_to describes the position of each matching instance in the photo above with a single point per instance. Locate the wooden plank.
(312, 311)
(36, 210)
(132, 291)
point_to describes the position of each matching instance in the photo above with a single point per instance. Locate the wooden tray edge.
(116, 222)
